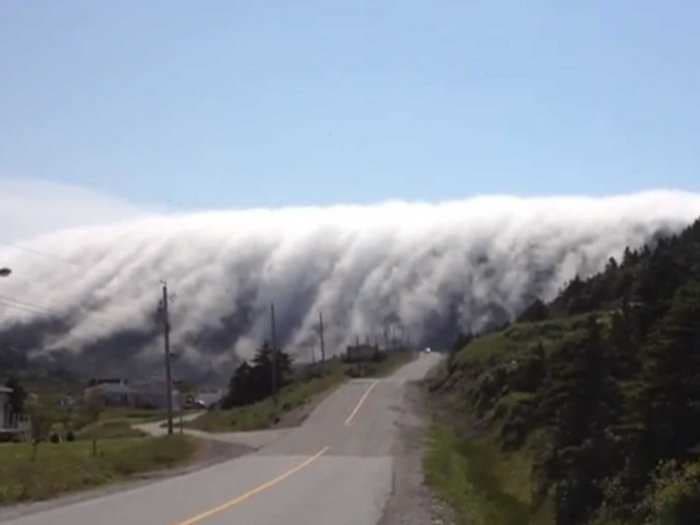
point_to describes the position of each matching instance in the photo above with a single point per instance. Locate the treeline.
(255, 381)
(609, 372)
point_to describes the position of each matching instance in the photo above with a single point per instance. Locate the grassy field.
(483, 480)
(521, 337)
(132, 415)
(68, 467)
(109, 429)
(482, 484)
(304, 390)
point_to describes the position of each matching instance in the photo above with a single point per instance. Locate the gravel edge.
(412, 502)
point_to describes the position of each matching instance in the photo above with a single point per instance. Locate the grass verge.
(69, 467)
(296, 399)
(114, 429)
(482, 484)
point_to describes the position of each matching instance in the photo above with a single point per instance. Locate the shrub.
(674, 498)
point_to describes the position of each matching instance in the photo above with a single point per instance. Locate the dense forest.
(600, 389)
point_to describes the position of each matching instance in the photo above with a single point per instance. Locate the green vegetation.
(133, 415)
(303, 389)
(483, 486)
(586, 410)
(68, 467)
(110, 429)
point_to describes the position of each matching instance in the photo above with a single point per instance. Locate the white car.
(428, 350)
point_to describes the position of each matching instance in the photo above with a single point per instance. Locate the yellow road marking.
(348, 421)
(251, 493)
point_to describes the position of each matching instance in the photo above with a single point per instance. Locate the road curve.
(336, 468)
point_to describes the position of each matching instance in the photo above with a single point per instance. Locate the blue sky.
(237, 104)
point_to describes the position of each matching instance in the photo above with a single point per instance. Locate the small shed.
(361, 352)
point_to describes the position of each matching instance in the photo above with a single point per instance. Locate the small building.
(10, 424)
(209, 396)
(152, 394)
(113, 392)
(361, 352)
(4, 406)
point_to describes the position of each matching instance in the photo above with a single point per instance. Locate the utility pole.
(166, 338)
(274, 357)
(323, 344)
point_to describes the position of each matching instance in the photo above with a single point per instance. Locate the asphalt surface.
(337, 468)
(254, 439)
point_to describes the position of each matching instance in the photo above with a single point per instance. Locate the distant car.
(191, 402)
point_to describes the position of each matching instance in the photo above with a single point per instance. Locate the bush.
(675, 495)
(54, 438)
(70, 436)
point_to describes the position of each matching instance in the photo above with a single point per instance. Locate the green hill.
(585, 410)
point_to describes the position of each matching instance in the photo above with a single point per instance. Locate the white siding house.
(10, 424)
(121, 393)
(4, 406)
(210, 396)
(152, 394)
(111, 392)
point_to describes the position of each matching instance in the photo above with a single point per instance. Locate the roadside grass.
(466, 462)
(483, 485)
(305, 389)
(523, 337)
(132, 415)
(109, 429)
(69, 467)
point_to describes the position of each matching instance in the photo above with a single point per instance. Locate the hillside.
(587, 409)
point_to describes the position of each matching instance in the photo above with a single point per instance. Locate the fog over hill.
(86, 297)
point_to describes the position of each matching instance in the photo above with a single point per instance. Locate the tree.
(262, 368)
(672, 376)
(93, 408)
(581, 403)
(241, 388)
(42, 418)
(536, 312)
(253, 382)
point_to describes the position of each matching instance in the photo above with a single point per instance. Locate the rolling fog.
(87, 297)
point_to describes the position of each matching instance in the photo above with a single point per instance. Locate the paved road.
(334, 469)
(253, 439)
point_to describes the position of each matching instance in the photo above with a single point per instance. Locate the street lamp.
(5, 272)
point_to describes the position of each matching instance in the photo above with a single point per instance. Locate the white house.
(111, 392)
(121, 393)
(10, 424)
(5, 407)
(152, 394)
(210, 396)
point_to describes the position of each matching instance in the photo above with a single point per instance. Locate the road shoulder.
(208, 454)
(411, 501)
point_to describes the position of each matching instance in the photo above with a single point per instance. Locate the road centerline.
(364, 397)
(260, 488)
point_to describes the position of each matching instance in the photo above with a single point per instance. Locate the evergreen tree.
(251, 383)
(672, 376)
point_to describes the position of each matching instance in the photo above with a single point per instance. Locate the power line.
(37, 309)
(24, 308)
(24, 303)
(41, 253)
